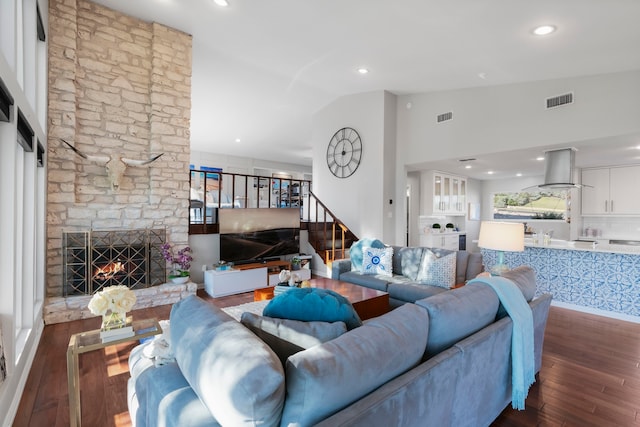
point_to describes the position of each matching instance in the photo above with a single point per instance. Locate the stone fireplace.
(96, 259)
(118, 87)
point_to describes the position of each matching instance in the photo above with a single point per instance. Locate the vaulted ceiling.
(261, 69)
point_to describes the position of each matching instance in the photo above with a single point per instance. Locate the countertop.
(602, 246)
(443, 233)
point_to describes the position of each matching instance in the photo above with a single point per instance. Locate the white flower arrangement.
(118, 299)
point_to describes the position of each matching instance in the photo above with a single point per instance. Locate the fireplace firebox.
(96, 259)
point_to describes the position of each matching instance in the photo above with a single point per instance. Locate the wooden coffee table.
(367, 302)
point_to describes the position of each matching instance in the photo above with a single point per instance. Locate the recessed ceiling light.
(237, 139)
(490, 172)
(518, 174)
(541, 158)
(363, 70)
(221, 3)
(467, 167)
(543, 30)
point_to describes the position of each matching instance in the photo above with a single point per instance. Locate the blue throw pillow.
(313, 304)
(377, 261)
(355, 251)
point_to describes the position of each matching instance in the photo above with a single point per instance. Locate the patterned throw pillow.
(377, 261)
(355, 252)
(438, 270)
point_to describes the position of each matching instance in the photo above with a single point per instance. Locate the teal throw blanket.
(522, 348)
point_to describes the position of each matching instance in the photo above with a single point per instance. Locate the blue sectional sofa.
(445, 361)
(402, 285)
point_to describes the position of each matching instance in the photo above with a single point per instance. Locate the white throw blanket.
(522, 346)
(159, 349)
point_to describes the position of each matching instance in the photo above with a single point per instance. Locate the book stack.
(117, 332)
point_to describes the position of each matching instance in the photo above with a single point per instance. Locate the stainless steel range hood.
(558, 169)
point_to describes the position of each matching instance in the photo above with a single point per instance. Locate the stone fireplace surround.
(118, 86)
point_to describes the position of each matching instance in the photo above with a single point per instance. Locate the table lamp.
(501, 237)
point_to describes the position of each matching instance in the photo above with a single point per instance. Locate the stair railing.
(318, 215)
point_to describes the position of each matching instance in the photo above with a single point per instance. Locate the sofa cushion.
(377, 282)
(411, 292)
(377, 261)
(313, 304)
(406, 261)
(438, 268)
(462, 260)
(166, 399)
(355, 251)
(474, 265)
(240, 384)
(328, 377)
(458, 313)
(287, 337)
(525, 278)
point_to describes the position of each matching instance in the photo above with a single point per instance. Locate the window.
(540, 204)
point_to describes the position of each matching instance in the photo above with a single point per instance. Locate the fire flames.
(109, 271)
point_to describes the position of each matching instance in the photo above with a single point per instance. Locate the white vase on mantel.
(179, 280)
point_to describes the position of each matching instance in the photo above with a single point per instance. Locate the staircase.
(329, 236)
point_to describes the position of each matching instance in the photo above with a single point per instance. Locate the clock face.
(344, 152)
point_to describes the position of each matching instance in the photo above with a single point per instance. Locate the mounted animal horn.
(115, 166)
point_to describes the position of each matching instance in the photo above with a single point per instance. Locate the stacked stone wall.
(118, 86)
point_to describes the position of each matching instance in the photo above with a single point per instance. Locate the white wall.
(474, 195)
(510, 117)
(359, 200)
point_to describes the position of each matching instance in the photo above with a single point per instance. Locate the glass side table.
(90, 341)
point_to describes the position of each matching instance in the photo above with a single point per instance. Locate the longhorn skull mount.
(115, 166)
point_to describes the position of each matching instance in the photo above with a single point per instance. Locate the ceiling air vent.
(444, 117)
(560, 100)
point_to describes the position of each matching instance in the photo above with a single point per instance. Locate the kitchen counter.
(604, 280)
(602, 245)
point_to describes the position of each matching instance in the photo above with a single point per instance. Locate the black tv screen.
(257, 234)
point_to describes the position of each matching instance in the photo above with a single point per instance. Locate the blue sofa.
(445, 361)
(402, 286)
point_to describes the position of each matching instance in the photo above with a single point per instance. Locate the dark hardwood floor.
(590, 375)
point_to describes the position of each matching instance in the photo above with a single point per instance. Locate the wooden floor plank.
(590, 375)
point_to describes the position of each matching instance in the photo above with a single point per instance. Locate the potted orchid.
(180, 262)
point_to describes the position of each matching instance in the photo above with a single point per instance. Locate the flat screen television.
(257, 234)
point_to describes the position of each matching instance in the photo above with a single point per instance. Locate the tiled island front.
(604, 280)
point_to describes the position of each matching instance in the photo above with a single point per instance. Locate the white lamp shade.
(502, 236)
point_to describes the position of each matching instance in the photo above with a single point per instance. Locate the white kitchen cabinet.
(440, 240)
(610, 191)
(443, 194)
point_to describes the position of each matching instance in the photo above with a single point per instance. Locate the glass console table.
(90, 341)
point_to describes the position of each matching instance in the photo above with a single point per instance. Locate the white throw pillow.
(438, 271)
(377, 261)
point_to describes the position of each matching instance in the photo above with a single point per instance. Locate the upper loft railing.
(213, 189)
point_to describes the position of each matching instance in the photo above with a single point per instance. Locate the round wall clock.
(344, 152)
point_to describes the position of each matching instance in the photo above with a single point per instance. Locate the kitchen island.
(602, 279)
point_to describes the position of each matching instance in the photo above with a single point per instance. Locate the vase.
(113, 320)
(179, 280)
